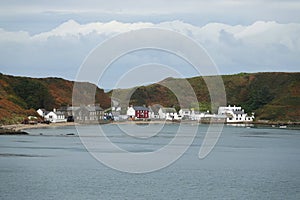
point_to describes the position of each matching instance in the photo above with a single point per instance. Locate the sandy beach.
(21, 127)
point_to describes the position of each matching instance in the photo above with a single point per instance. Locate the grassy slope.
(20, 96)
(281, 88)
(272, 96)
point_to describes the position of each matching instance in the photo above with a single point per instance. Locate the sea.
(245, 163)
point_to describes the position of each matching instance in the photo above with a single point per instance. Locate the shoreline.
(19, 128)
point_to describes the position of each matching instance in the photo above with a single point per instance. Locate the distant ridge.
(272, 96)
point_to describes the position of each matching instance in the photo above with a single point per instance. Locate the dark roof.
(168, 110)
(72, 108)
(59, 113)
(140, 108)
(239, 112)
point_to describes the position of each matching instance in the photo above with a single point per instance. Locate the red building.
(141, 112)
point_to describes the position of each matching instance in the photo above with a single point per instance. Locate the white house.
(168, 114)
(153, 111)
(197, 115)
(185, 113)
(55, 117)
(130, 112)
(42, 112)
(235, 114)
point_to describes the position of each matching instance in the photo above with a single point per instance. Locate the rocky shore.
(4, 131)
(16, 129)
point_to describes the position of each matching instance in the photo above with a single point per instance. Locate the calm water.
(247, 163)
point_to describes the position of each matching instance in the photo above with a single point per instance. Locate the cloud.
(38, 16)
(73, 29)
(261, 46)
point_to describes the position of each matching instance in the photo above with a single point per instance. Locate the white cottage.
(55, 116)
(168, 114)
(185, 113)
(235, 114)
(153, 111)
(130, 112)
(42, 112)
(197, 115)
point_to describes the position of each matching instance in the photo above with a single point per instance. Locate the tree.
(258, 98)
(34, 94)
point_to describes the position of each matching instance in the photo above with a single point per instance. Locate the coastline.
(19, 129)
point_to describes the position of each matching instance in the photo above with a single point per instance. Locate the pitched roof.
(140, 108)
(168, 110)
(59, 113)
(239, 112)
(72, 108)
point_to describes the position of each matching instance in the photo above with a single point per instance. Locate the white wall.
(54, 118)
(130, 112)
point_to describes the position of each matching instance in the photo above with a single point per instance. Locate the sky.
(53, 38)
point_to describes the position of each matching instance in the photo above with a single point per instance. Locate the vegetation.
(272, 96)
(21, 96)
(31, 93)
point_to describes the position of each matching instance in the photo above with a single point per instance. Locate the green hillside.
(21, 96)
(272, 96)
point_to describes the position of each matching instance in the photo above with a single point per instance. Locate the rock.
(11, 132)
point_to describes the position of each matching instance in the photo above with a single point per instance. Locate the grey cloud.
(262, 46)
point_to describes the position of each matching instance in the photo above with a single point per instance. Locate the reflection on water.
(247, 163)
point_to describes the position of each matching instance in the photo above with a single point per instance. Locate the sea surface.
(246, 163)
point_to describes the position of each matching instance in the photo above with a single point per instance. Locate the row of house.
(152, 112)
(94, 113)
(235, 114)
(231, 114)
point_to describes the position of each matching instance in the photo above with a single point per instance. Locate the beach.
(17, 128)
(20, 127)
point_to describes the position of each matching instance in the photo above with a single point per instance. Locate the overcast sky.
(52, 38)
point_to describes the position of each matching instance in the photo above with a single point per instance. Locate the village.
(96, 114)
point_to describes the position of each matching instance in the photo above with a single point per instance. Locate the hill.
(273, 96)
(21, 96)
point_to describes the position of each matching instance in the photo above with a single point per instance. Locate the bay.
(246, 163)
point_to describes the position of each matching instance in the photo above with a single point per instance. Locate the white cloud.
(74, 29)
(260, 46)
(19, 14)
